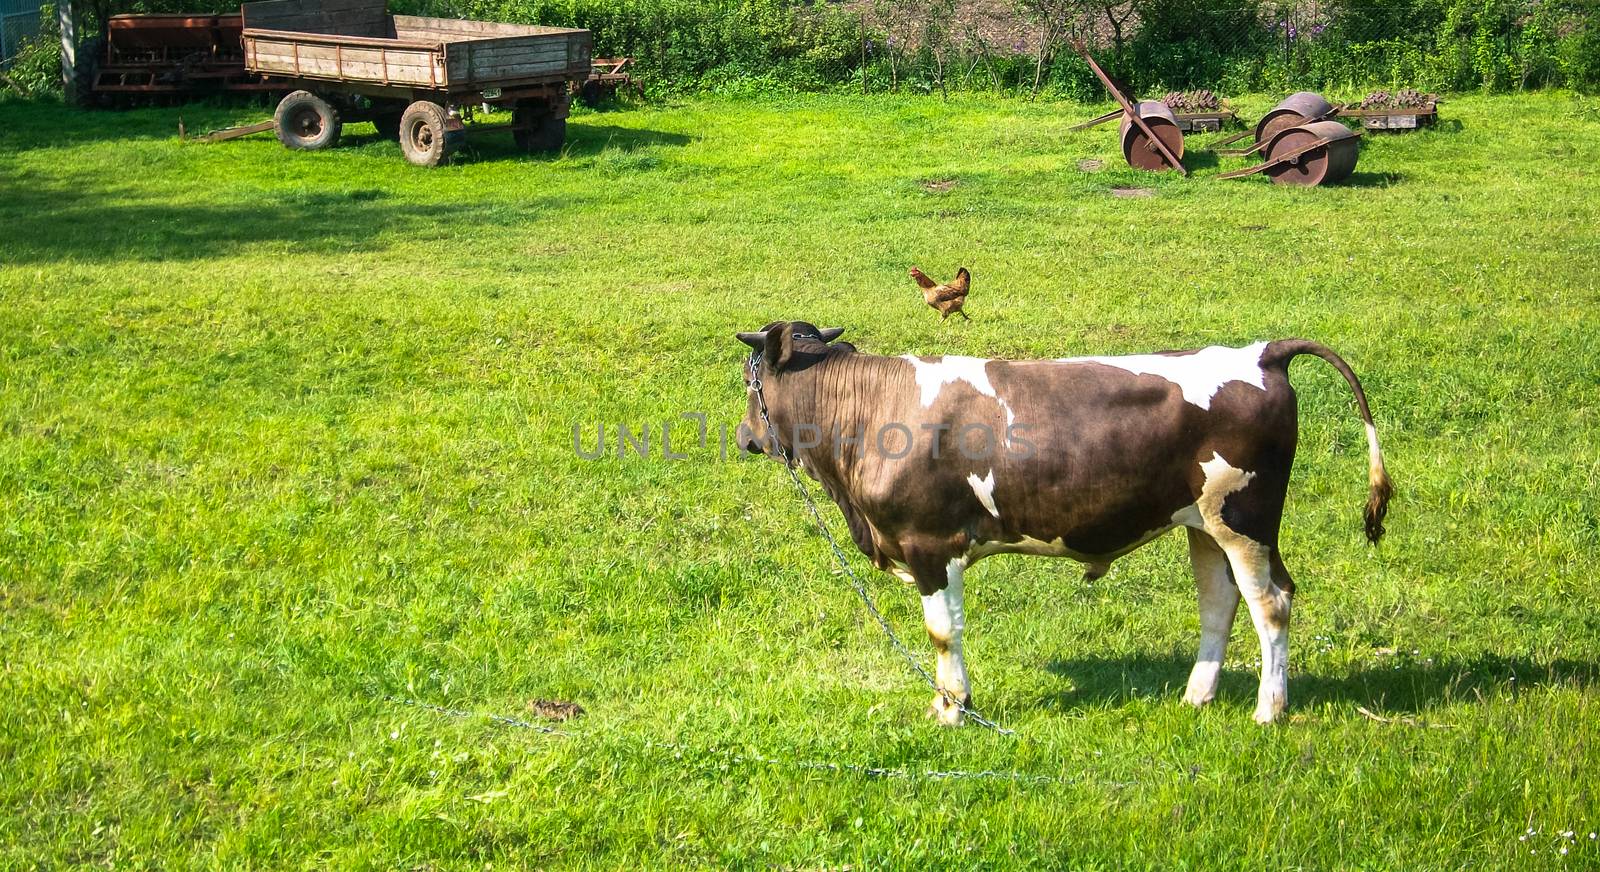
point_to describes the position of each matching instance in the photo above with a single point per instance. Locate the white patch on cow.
(1011, 418)
(942, 610)
(1189, 516)
(1222, 478)
(933, 375)
(1027, 545)
(984, 488)
(1199, 375)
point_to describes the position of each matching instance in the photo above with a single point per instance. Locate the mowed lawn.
(283, 435)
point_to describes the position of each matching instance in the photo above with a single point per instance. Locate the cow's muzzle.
(748, 440)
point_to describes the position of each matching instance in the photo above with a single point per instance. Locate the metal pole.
(863, 52)
(69, 51)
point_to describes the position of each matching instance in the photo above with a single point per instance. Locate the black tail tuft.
(1378, 505)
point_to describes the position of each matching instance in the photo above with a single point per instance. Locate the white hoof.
(1203, 681)
(1267, 711)
(945, 712)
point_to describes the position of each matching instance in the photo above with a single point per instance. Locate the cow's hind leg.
(1219, 602)
(1253, 565)
(944, 617)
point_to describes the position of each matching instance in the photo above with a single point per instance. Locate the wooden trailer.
(414, 78)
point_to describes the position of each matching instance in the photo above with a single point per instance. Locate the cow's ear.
(756, 341)
(831, 333)
(778, 347)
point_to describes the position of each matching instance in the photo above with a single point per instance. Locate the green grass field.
(283, 434)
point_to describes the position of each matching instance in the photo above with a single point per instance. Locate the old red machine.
(142, 58)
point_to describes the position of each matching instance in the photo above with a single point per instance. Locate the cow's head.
(777, 350)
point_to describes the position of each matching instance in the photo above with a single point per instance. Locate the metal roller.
(1296, 109)
(1137, 147)
(1319, 153)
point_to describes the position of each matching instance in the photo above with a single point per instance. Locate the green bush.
(694, 44)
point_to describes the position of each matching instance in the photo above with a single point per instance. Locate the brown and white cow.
(937, 462)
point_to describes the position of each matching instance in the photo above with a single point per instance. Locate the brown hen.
(946, 299)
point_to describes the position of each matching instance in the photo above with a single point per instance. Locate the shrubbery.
(735, 46)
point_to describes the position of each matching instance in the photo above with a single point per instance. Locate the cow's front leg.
(944, 617)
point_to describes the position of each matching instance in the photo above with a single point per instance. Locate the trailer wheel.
(591, 93)
(85, 70)
(388, 124)
(423, 134)
(306, 122)
(535, 130)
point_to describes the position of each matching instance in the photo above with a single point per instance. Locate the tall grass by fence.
(1020, 46)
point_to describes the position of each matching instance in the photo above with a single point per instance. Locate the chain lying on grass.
(463, 714)
(679, 750)
(754, 363)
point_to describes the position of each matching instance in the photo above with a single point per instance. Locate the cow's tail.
(1380, 487)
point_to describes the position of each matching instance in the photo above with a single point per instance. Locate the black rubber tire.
(424, 137)
(306, 122)
(591, 93)
(85, 68)
(388, 124)
(535, 131)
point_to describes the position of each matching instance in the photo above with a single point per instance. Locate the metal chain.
(839, 556)
(679, 750)
(462, 713)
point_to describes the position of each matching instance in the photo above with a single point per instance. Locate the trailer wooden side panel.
(338, 17)
(481, 61)
(453, 29)
(358, 43)
(284, 55)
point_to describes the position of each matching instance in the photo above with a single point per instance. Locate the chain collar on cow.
(758, 343)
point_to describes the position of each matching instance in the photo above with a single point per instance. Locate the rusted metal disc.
(1294, 110)
(1138, 150)
(1324, 165)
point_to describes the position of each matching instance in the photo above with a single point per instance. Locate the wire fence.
(1020, 46)
(19, 21)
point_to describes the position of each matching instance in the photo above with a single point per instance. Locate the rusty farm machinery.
(1299, 142)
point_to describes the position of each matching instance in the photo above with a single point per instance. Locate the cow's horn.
(831, 333)
(757, 341)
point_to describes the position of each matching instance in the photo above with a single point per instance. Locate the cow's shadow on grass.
(1385, 686)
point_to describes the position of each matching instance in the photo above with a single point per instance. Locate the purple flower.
(1019, 45)
(1291, 31)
